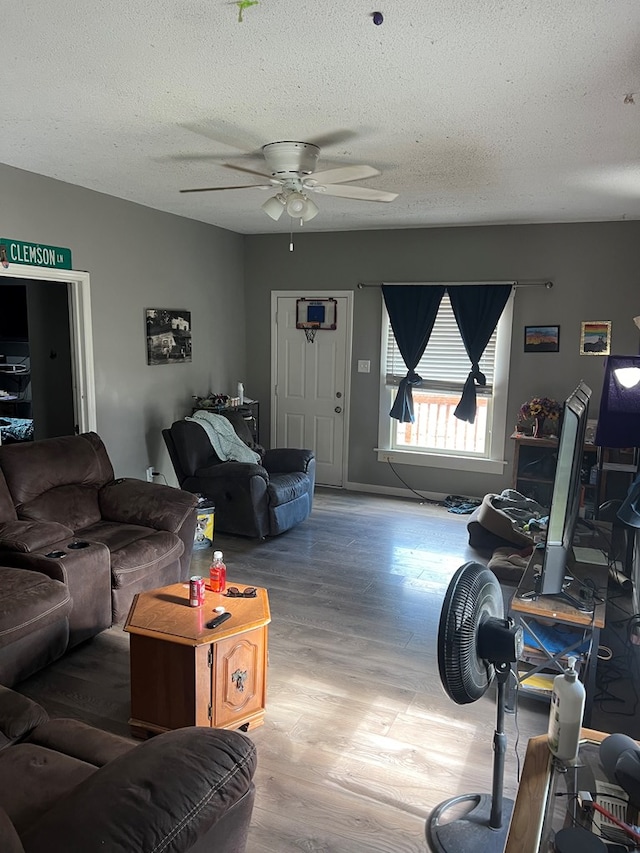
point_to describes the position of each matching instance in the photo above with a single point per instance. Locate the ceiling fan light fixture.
(296, 204)
(311, 210)
(274, 206)
(299, 206)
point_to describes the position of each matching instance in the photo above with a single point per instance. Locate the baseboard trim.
(392, 491)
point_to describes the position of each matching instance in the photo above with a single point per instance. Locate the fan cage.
(474, 595)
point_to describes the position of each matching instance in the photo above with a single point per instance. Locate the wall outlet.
(150, 474)
(364, 365)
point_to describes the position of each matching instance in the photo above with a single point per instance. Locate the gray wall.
(594, 267)
(139, 258)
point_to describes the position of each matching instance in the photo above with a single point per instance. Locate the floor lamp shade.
(619, 416)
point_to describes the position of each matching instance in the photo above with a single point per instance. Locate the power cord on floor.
(423, 499)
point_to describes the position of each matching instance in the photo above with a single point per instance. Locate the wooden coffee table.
(184, 674)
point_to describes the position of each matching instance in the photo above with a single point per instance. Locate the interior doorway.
(311, 383)
(46, 354)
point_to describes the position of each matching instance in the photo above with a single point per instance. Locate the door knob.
(337, 410)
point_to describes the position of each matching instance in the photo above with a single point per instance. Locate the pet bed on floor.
(500, 519)
(508, 563)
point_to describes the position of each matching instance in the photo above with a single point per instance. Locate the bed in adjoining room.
(16, 429)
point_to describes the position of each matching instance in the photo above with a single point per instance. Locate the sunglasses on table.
(234, 592)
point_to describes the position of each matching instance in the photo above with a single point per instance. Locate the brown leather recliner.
(64, 515)
(66, 786)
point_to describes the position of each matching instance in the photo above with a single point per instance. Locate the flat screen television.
(565, 497)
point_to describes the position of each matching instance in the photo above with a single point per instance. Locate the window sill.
(439, 460)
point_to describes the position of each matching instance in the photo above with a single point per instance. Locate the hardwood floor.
(360, 741)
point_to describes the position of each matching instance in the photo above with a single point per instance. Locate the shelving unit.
(617, 466)
(546, 652)
(534, 465)
(555, 630)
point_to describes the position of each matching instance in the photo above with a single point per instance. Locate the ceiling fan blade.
(224, 133)
(342, 174)
(359, 193)
(332, 138)
(220, 189)
(193, 158)
(244, 169)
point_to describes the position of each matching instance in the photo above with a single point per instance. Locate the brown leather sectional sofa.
(66, 787)
(76, 545)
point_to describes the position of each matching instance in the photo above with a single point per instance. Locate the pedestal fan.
(475, 645)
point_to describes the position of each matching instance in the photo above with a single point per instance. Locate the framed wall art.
(168, 336)
(595, 337)
(542, 338)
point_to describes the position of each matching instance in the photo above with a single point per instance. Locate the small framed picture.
(168, 336)
(542, 338)
(595, 337)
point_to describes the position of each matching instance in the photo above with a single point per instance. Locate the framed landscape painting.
(595, 338)
(542, 338)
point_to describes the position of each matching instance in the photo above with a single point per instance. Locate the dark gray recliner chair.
(254, 500)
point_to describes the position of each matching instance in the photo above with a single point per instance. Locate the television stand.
(580, 629)
(580, 604)
(584, 606)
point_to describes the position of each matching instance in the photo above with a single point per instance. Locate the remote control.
(213, 623)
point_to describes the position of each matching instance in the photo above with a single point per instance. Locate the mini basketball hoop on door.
(314, 314)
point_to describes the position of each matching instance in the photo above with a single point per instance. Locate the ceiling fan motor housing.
(291, 158)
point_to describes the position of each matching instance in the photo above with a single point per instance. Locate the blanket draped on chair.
(223, 438)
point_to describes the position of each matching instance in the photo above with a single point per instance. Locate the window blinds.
(444, 364)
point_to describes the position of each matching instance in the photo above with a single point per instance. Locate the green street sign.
(33, 254)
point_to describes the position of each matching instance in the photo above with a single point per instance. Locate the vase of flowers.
(538, 427)
(537, 412)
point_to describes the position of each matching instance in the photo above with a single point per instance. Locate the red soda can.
(196, 591)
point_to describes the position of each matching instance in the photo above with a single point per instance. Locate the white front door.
(311, 387)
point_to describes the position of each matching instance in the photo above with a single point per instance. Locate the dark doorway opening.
(36, 373)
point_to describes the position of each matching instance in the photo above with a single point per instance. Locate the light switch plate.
(364, 365)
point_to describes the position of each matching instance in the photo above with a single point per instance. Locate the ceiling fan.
(292, 174)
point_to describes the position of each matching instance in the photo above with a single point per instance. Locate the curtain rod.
(546, 284)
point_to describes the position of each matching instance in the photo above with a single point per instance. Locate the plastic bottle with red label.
(217, 573)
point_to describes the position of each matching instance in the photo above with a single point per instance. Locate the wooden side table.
(184, 674)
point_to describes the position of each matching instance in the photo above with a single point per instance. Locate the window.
(436, 435)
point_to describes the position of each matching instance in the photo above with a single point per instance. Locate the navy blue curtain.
(412, 312)
(477, 309)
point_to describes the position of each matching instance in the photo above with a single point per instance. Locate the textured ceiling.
(475, 111)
